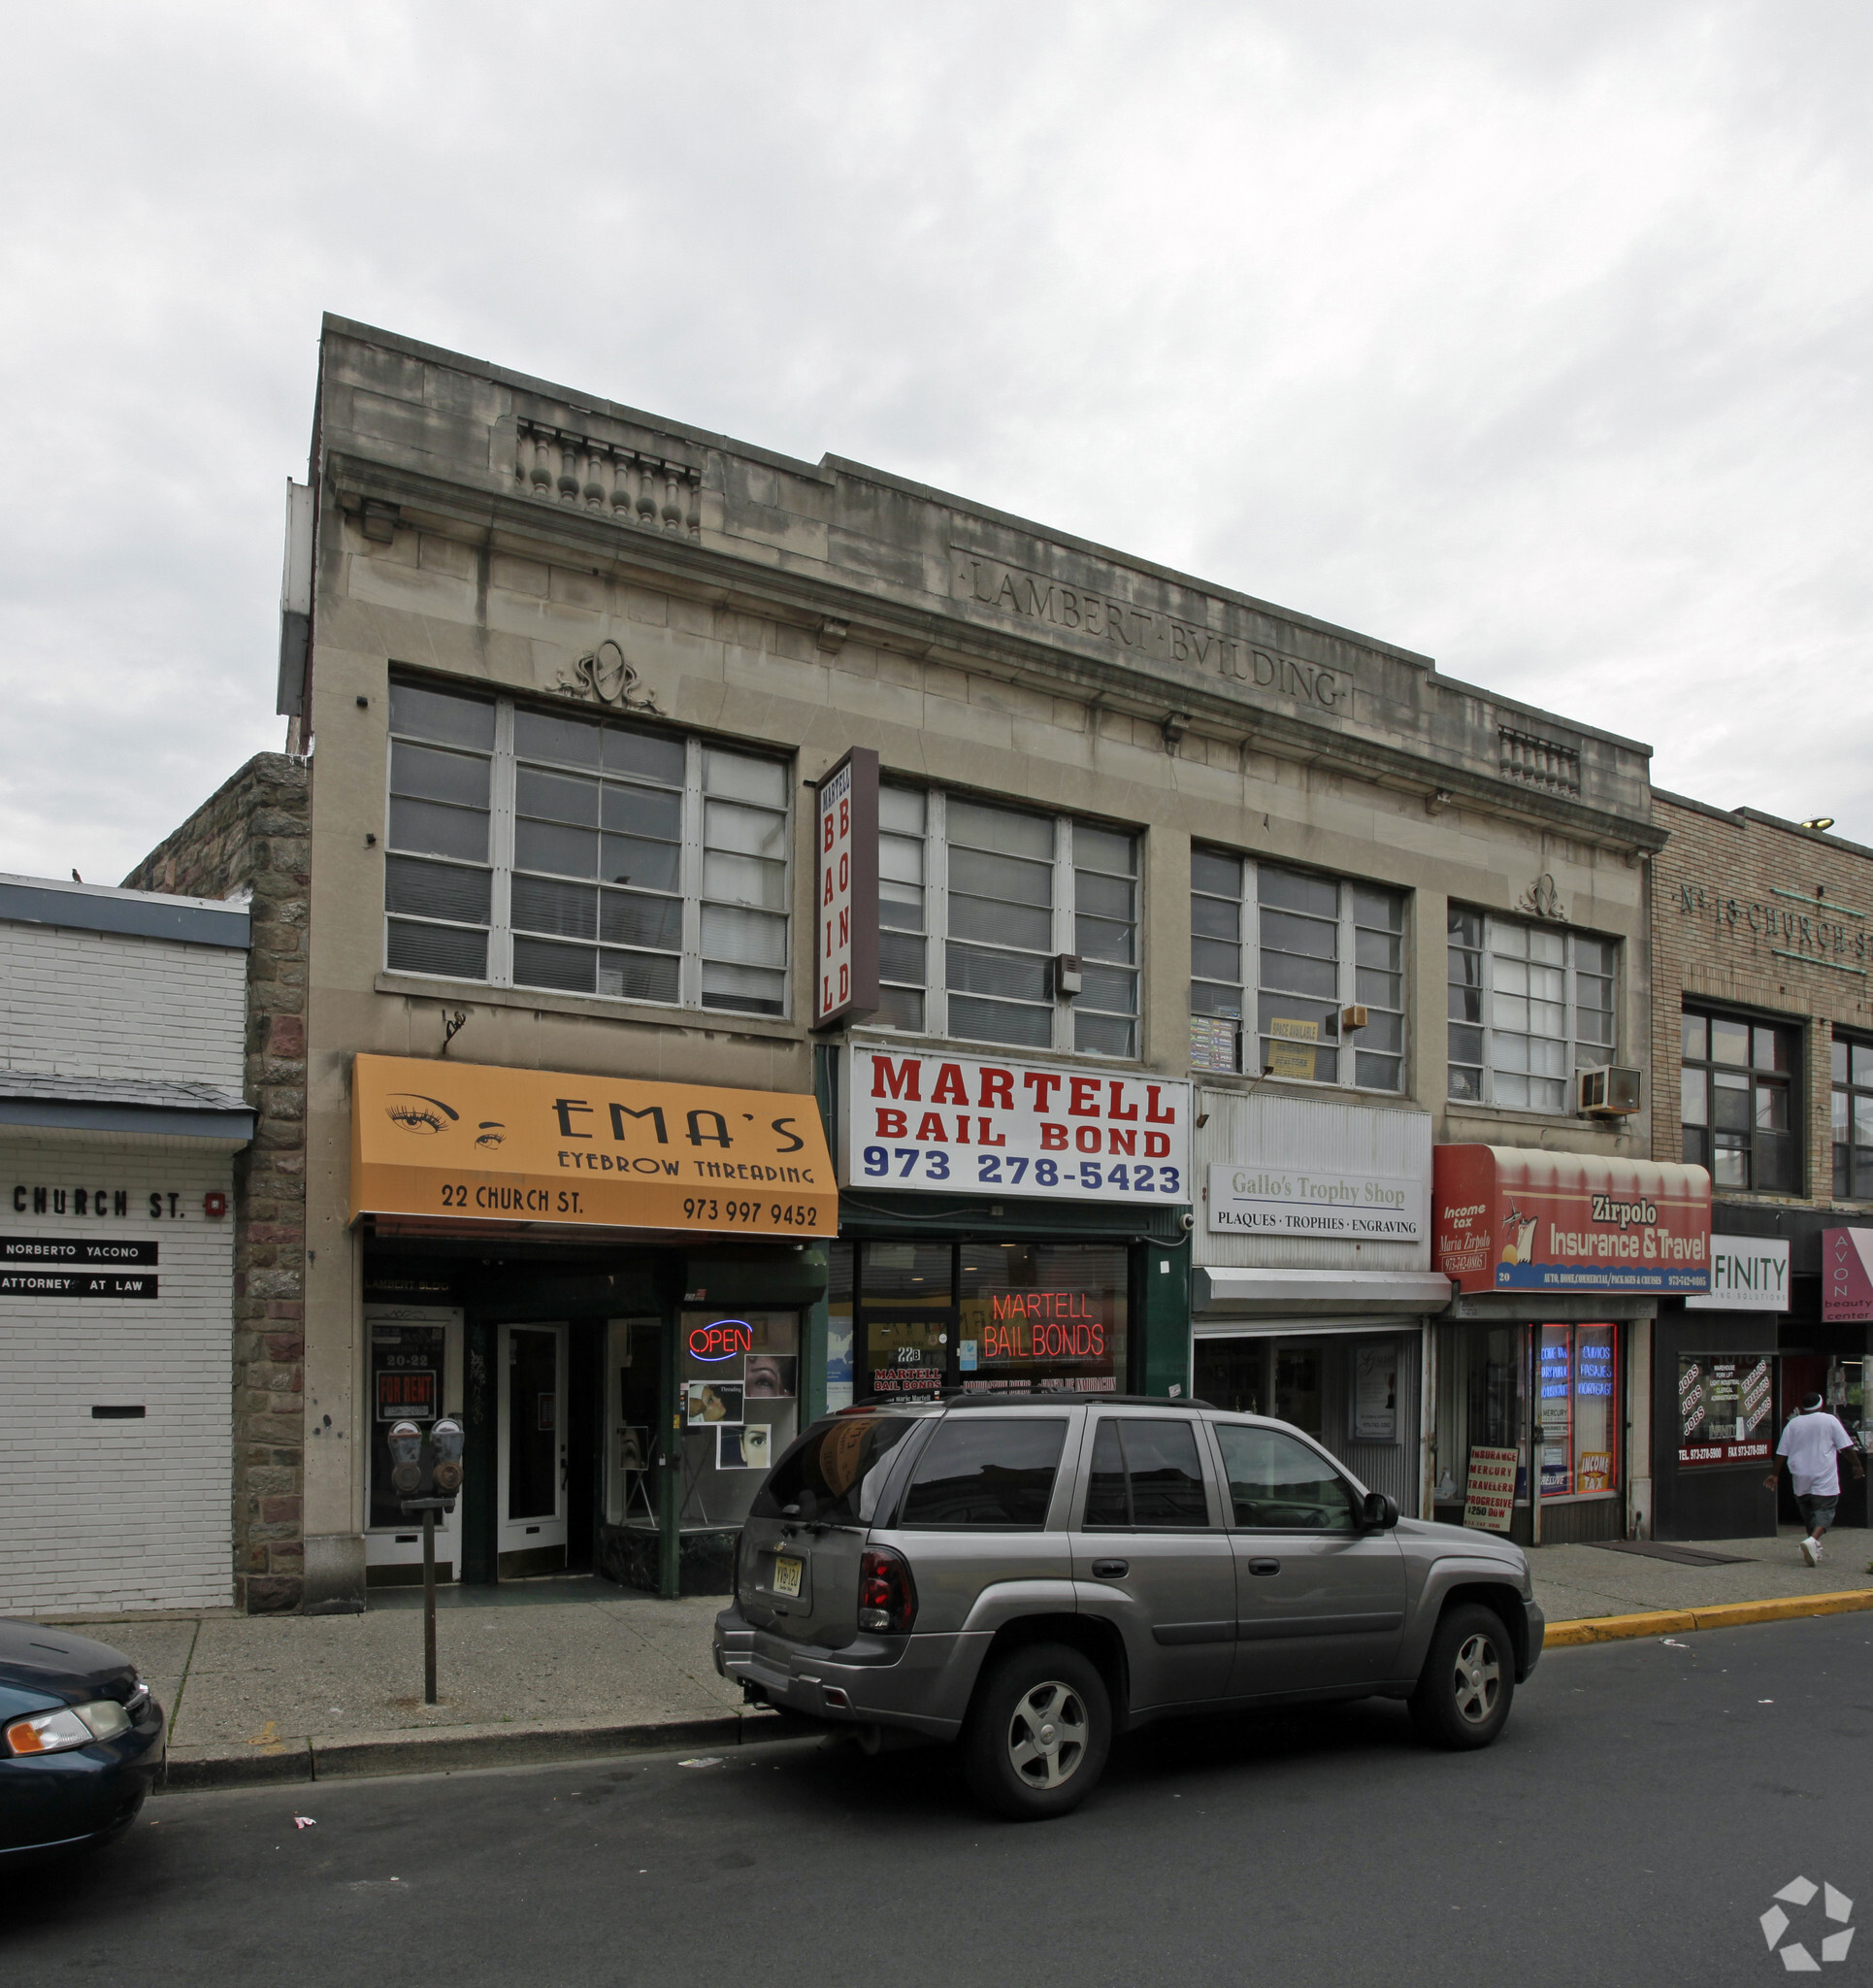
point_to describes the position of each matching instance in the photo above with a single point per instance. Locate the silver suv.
(1028, 1574)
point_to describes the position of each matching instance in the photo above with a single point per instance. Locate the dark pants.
(1817, 1511)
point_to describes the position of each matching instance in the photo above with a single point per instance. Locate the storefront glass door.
(532, 1487)
(415, 1374)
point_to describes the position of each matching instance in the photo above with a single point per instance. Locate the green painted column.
(1163, 1316)
(669, 1479)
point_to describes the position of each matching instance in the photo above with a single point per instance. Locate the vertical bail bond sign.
(845, 943)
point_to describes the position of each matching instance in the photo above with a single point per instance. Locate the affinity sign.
(962, 1124)
(1508, 1219)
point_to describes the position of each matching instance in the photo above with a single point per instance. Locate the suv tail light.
(887, 1595)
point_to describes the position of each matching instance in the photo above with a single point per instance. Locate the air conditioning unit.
(1612, 1091)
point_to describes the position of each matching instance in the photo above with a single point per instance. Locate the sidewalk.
(556, 1668)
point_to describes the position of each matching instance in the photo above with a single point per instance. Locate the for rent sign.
(1510, 1220)
(964, 1124)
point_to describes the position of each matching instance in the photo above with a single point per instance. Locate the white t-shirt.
(1812, 1442)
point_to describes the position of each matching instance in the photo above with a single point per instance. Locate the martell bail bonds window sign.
(1510, 1220)
(472, 1142)
(961, 1124)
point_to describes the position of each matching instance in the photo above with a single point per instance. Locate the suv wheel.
(1037, 1738)
(1468, 1679)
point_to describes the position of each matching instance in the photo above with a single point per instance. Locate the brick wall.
(1768, 917)
(252, 835)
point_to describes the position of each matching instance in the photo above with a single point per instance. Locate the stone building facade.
(247, 843)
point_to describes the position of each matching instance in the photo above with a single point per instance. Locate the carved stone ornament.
(606, 678)
(1542, 899)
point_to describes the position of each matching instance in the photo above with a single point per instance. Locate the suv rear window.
(989, 1470)
(832, 1472)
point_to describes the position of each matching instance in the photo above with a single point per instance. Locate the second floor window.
(1738, 1101)
(976, 905)
(1852, 1119)
(1529, 1006)
(530, 848)
(1276, 954)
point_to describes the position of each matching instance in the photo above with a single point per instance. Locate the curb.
(1592, 1629)
(193, 1769)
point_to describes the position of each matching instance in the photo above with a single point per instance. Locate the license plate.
(786, 1576)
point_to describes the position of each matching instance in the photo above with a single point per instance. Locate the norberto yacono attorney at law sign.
(1511, 1220)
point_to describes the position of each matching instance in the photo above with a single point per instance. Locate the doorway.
(413, 1374)
(531, 1532)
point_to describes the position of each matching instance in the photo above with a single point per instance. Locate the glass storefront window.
(1726, 1407)
(406, 1385)
(738, 1402)
(1578, 1399)
(1042, 1315)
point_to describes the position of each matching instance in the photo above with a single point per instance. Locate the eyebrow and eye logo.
(490, 1133)
(425, 1117)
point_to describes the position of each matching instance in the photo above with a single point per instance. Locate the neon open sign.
(725, 1340)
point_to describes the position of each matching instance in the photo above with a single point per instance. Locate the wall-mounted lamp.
(1821, 821)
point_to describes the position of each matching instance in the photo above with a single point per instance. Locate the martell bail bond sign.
(968, 1125)
(845, 937)
(1511, 1220)
(473, 1144)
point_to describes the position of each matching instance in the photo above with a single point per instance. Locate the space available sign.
(1847, 1274)
(1510, 1219)
(1747, 1274)
(1256, 1200)
(846, 933)
(937, 1124)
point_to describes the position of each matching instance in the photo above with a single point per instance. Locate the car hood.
(1464, 1540)
(61, 1665)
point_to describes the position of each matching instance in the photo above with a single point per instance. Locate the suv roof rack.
(956, 1398)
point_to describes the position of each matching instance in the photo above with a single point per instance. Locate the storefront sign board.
(1509, 1218)
(934, 1124)
(845, 942)
(1297, 1200)
(1747, 1274)
(1489, 1495)
(1724, 1401)
(473, 1142)
(1847, 1274)
(1375, 1393)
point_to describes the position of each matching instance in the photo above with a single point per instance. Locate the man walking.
(1812, 1443)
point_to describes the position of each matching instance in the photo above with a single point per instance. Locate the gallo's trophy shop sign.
(471, 1142)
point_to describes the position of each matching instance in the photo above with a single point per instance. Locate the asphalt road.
(1630, 1828)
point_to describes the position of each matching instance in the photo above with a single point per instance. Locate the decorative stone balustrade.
(1539, 762)
(648, 491)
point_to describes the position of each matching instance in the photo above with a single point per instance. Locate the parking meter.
(426, 1475)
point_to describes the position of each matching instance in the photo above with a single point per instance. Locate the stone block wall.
(1769, 917)
(252, 835)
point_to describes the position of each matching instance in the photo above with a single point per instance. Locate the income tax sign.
(962, 1124)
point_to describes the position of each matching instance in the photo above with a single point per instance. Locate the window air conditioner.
(1611, 1091)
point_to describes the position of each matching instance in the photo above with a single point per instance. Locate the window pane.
(1466, 1045)
(1838, 1051)
(570, 911)
(1379, 1072)
(739, 778)
(1383, 1032)
(743, 990)
(1215, 961)
(906, 912)
(644, 755)
(901, 861)
(747, 831)
(1465, 927)
(1696, 1147)
(547, 846)
(1508, 941)
(1378, 949)
(538, 964)
(1466, 1085)
(652, 866)
(1693, 1100)
(1771, 1107)
(1103, 1035)
(1285, 933)
(441, 950)
(1015, 976)
(1108, 989)
(1466, 1004)
(426, 774)
(1107, 1502)
(1864, 1120)
(1218, 875)
(1769, 1048)
(981, 917)
(1775, 1163)
(1466, 968)
(1103, 848)
(1549, 949)
(1863, 1063)
(900, 957)
(626, 919)
(1102, 939)
(1215, 917)
(1101, 897)
(439, 831)
(1207, 999)
(1166, 1481)
(1277, 1484)
(989, 1470)
(638, 976)
(899, 1008)
(900, 808)
(1000, 828)
(1697, 1039)
(1318, 978)
(1384, 908)
(745, 880)
(1730, 1043)
(750, 938)
(641, 810)
(1378, 990)
(1729, 1164)
(436, 715)
(556, 797)
(993, 1021)
(572, 741)
(436, 890)
(1841, 1105)
(1730, 1102)
(1001, 877)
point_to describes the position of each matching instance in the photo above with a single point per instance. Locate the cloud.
(1531, 339)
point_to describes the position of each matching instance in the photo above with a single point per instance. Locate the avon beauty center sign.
(1507, 1219)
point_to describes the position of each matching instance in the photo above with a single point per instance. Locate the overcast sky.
(1534, 338)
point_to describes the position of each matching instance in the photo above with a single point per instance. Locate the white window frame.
(1604, 1052)
(503, 763)
(935, 991)
(1248, 1025)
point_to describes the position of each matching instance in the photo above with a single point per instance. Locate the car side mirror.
(1378, 1514)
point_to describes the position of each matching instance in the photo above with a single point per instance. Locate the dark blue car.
(80, 1741)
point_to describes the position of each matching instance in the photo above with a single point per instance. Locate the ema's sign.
(1747, 1274)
